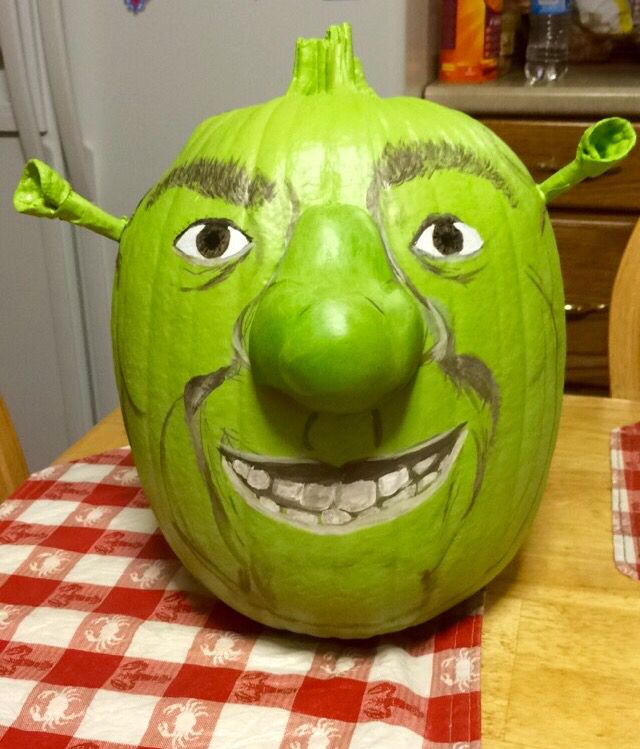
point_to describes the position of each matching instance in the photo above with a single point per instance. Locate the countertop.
(589, 90)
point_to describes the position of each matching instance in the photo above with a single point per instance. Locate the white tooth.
(239, 485)
(303, 517)
(268, 504)
(241, 468)
(424, 465)
(427, 480)
(357, 496)
(289, 490)
(391, 482)
(258, 479)
(318, 496)
(401, 496)
(370, 512)
(335, 517)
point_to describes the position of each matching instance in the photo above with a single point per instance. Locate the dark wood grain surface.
(590, 247)
(592, 224)
(546, 145)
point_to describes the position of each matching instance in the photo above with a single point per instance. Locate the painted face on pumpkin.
(346, 381)
(332, 344)
(338, 334)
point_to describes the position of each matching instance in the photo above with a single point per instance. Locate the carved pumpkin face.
(339, 343)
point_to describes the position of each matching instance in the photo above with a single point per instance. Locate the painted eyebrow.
(404, 162)
(214, 178)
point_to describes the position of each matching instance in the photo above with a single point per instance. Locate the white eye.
(212, 241)
(445, 236)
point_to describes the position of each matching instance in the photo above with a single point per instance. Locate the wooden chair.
(624, 323)
(13, 466)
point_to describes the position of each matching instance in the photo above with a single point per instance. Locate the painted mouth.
(328, 499)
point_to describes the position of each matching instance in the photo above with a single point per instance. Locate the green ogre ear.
(603, 146)
(43, 192)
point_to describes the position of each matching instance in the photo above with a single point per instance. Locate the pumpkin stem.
(325, 65)
(602, 147)
(43, 192)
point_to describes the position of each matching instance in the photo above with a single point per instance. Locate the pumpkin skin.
(350, 341)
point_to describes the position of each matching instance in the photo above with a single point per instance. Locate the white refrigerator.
(109, 97)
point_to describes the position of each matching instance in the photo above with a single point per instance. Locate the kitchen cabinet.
(592, 221)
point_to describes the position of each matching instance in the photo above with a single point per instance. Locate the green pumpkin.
(339, 344)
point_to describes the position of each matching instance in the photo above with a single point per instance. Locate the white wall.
(29, 371)
(143, 82)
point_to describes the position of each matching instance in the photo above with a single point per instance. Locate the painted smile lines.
(324, 498)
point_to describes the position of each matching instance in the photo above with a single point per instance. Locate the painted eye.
(445, 236)
(212, 241)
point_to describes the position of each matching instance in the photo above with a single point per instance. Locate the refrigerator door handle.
(96, 256)
(78, 161)
(25, 77)
(14, 33)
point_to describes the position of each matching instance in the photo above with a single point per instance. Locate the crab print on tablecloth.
(173, 667)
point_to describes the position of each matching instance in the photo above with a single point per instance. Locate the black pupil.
(447, 239)
(213, 239)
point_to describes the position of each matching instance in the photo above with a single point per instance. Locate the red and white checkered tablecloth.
(107, 641)
(625, 474)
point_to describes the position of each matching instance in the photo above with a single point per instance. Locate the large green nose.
(335, 330)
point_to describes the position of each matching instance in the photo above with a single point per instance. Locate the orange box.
(470, 44)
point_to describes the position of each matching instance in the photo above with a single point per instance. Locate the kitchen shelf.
(592, 90)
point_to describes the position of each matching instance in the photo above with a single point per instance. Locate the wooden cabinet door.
(590, 250)
(546, 145)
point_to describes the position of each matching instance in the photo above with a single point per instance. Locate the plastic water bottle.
(548, 47)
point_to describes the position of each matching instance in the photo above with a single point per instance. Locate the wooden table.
(561, 642)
